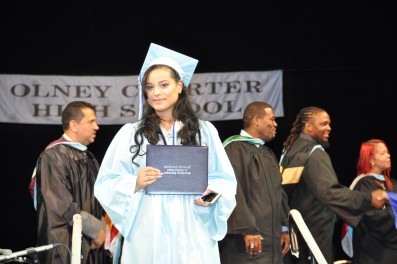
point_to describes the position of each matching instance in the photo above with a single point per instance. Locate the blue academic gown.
(165, 228)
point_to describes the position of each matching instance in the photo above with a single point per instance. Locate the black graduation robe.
(375, 238)
(260, 208)
(65, 186)
(319, 196)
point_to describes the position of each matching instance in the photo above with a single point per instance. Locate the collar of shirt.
(245, 134)
(76, 145)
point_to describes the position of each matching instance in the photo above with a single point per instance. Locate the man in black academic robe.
(319, 197)
(65, 175)
(262, 210)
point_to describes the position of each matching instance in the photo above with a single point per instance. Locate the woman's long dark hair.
(150, 121)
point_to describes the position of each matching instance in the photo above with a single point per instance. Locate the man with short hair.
(257, 229)
(65, 175)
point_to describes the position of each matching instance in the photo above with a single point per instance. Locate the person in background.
(318, 195)
(258, 227)
(375, 237)
(64, 183)
(171, 228)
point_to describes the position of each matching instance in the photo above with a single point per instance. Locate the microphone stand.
(34, 258)
(32, 252)
(29, 251)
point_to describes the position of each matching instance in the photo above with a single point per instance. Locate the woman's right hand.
(147, 176)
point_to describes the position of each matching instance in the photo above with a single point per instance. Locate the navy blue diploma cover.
(184, 168)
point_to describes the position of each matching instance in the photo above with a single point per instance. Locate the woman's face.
(162, 90)
(380, 159)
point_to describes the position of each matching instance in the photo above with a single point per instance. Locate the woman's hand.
(147, 176)
(200, 202)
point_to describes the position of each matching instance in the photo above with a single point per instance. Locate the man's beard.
(325, 144)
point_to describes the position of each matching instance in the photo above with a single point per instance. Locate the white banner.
(40, 99)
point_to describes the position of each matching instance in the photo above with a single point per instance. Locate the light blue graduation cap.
(182, 64)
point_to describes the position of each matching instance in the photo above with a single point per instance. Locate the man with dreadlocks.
(313, 187)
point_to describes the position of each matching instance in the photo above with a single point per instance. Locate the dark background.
(337, 56)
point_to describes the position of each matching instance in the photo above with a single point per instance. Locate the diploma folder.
(184, 168)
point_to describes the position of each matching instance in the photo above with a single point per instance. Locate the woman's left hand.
(200, 202)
